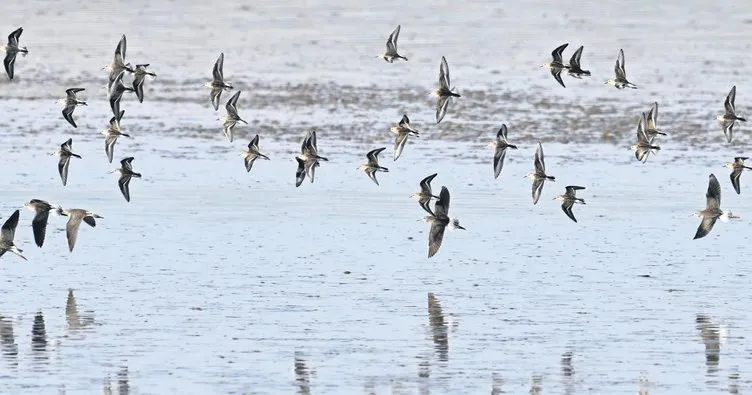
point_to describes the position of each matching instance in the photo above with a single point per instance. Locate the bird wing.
(441, 207)
(714, 194)
(8, 230)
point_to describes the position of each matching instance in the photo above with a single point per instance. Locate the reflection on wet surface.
(643, 386)
(8, 342)
(496, 383)
(733, 387)
(710, 334)
(123, 384)
(75, 321)
(438, 326)
(567, 373)
(536, 387)
(39, 337)
(302, 375)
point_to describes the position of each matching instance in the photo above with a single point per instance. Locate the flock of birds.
(309, 159)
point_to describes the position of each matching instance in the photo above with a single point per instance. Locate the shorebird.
(7, 234)
(232, 118)
(729, 117)
(574, 69)
(139, 77)
(444, 92)
(500, 146)
(118, 64)
(651, 125)
(372, 166)
(539, 175)
(568, 199)
(75, 216)
(309, 159)
(737, 166)
(252, 153)
(391, 47)
(70, 101)
(42, 210)
(12, 50)
(644, 145)
(620, 79)
(424, 196)
(712, 210)
(402, 130)
(217, 84)
(126, 173)
(111, 135)
(65, 154)
(557, 64)
(439, 221)
(116, 93)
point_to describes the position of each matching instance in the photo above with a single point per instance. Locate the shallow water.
(213, 280)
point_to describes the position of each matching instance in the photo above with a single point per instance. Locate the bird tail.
(322, 158)
(655, 147)
(262, 156)
(75, 155)
(741, 119)
(511, 146)
(124, 134)
(552, 178)
(384, 169)
(137, 175)
(83, 103)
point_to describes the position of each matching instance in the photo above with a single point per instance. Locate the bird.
(42, 210)
(70, 101)
(232, 118)
(126, 173)
(391, 47)
(65, 154)
(425, 195)
(568, 199)
(309, 159)
(729, 117)
(439, 221)
(574, 69)
(217, 84)
(737, 166)
(402, 130)
(539, 176)
(111, 135)
(651, 125)
(373, 166)
(75, 216)
(500, 146)
(444, 92)
(252, 154)
(12, 50)
(557, 64)
(118, 64)
(620, 79)
(7, 234)
(712, 210)
(139, 77)
(116, 93)
(644, 145)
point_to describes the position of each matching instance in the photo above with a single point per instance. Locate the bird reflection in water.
(567, 373)
(733, 387)
(536, 388)
(39, 338)
(424, 374)
(8, 342)
(76, 321)
(644, 385)
(302, 375)
(712, 336)
(496, 382)
(438, 328)
(123, 386)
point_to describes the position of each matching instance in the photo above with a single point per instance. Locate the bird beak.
(460, 227)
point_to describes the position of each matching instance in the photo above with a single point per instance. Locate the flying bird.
(500, 146)
(574, 69)
(70, 101)
(12, 50)
(111, 135)
(391, 47)
(138, 80)
(539, 176)
(444, 92)
(569, 198)
(232, 118)
(557, 64)
(252, 153)
(737, 166)
(712, 210)
(42, 210)
(403, 130)
(309, 159)
(116, 93)
(118, 64)
(729, 117)
(75, 216)
(425, 195)
(65, 152)
(439, 221)
(620, 79)
(651, 123)
(126, 173)
(217, 84)
(373, 166)
(644, 145)
(7, 234)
